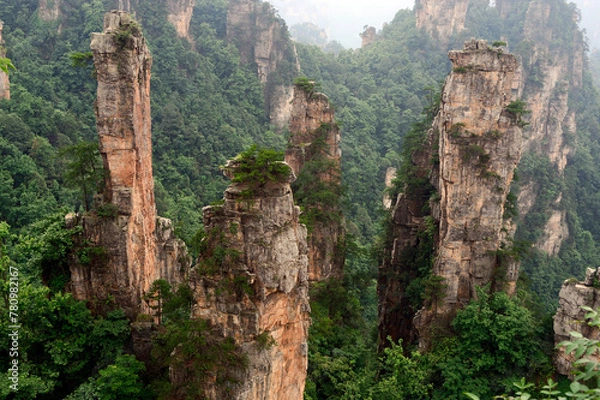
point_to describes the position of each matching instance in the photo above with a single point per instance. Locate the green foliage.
(499, 43)
(215, 254)
(496, 342)
(402, 377)
(586, 373)
(192, 349)
(6, 65)
(265, 341)
(81, 60)
(117, 381)
(309, 86)
(167, 304)
(257, 166)
(60, 343)
(517, 110)
(84, 169)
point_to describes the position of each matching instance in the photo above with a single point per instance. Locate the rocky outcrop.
(480, 145)
(180, 15)
(264, 43)
(551, 72)
(390, 175)
(135, 247)
(478, 142)
(49, 10)
(4, 81)
(314, 155)
(441, 18)
(368, 36)
(251, 285)
(570, 316)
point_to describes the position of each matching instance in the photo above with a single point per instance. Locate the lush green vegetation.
(207, 107)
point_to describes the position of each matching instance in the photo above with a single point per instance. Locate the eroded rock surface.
(263, 41)
(257, 293)
(441, 18)
(478, 143)
(570, 316)
(4, 81)
(135, 247)
(315, 139)
(180, 15)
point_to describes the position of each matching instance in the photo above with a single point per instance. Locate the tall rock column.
(135, 250)
(180, 15)
(457, 221)
(551, 73)
(4, 82)
(251, 284)
(480, 145)
(441, 18)
(264, 43)
(314, 155)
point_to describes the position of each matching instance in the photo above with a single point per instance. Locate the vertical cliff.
(4, 81)
(553, 68)
(251, 284)
(314, 155)
(475, 144)
(480, 145)
(570, 315)
(264, 43)
(180, 15)
(552, 52)
(441, 18)
(136, 248)
(49, 10)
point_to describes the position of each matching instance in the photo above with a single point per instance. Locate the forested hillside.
(207, 107)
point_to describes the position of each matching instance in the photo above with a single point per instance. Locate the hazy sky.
(345, 19)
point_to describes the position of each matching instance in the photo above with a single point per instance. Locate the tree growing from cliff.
(6, 65)
(84, 169)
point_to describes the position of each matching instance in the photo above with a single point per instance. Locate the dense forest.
(207, 107)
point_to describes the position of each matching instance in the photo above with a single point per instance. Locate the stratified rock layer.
(551, 73)
(315, 138)
(478, 144)
(49, 10)
(4, 82)
(263, 41)
(441, 18)
(570, 316)
(137, 247)
(257, 293)
(180, 15)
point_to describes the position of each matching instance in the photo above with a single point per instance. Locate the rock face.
(550, 73)
(479, 144)
(137, 247)
(570, 315)
(441, 18)
(180, 15)
(368, 36)
(49, 10)
(263, 41)
(257, 293)
(4, 82)
(314, 154)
